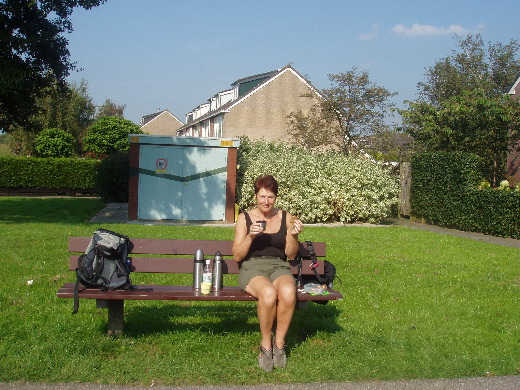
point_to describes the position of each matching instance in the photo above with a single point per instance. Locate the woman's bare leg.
(261, 288)
(286, 293)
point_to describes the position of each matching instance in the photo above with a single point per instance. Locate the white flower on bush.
(320, 187)
(504, 184)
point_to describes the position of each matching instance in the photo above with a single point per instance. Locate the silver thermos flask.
(198, 266)
(217, 271)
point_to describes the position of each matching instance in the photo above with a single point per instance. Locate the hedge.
(47, 173)
(445, 192)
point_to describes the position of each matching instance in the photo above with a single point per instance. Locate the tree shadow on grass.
(224, 317)
(48, 210)
(181, 316)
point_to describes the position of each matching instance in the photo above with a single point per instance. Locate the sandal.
(279, 356)
(265, 360)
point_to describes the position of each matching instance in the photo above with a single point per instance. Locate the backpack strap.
(76, 289)
(314, 264)
(299, 283)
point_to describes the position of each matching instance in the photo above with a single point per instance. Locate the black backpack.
(105, 263)
(327, 278)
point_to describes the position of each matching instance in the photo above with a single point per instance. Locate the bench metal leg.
(116, 309)
(300, 305)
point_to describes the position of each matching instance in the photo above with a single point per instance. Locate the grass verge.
(417, 305)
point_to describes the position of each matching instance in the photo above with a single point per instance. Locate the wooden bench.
(176, 256)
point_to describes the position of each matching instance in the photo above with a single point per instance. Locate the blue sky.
(175, 54)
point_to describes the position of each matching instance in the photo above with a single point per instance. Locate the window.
(218, 126)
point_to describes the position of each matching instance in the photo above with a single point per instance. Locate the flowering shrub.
(317, 187)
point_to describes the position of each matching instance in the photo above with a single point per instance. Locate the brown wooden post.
(405, 171)
(231, 181)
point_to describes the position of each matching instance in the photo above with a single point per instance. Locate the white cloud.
(425, 30)
(372, 34)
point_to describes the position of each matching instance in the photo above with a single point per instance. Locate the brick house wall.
(263, 115)
(258, 108)
(163, 123)
(513, 158)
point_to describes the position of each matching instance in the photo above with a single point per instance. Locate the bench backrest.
(176, 256)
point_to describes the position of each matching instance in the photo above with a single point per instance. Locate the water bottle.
(217, 271)
(207, 274)
(198, 265)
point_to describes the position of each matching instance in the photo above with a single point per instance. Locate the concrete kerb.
(478, 383)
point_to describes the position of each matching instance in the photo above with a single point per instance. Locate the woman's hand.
(255, 229)
(294, 227)
(297, 226)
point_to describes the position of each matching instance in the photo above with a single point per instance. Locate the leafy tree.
(353, 106)
(492, 70)
(471, 122)
(55, 143)
(33, 53)
(109, 135)
(69, 108)
(109, 108)
(390, 145)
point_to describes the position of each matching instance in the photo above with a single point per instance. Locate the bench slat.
(181, 265)
(182, 247)
(178, 293)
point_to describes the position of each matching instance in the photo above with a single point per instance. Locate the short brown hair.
(268, 182)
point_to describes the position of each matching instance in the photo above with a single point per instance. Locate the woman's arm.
(292, 245)
(242, 241)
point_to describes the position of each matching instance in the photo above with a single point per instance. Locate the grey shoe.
(265, 360)
(279, 356)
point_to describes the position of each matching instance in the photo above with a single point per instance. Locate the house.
(160, 123)
(255, 106)
(513, 158)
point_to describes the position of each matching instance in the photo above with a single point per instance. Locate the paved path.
(118, 213)
(486, 383)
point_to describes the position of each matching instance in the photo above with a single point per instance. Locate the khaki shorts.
(270, 267)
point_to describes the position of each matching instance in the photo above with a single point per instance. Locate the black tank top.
(266, 244)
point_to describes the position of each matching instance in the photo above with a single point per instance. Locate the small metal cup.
(263, 224)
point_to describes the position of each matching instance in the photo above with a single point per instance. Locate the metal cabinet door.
(205, 172)
(182, 183)
(160, 190)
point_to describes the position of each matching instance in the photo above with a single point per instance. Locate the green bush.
(55, 143)
(317, 187)
(439, 183)
(491, 211)
(447, 190)
(111, 180)
(109, 135)
(54, 173)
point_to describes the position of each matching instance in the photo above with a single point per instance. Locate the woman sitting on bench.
(264, 238)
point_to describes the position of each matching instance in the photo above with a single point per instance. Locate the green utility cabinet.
(182, 178)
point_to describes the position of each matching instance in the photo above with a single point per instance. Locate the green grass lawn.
(417, 305)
